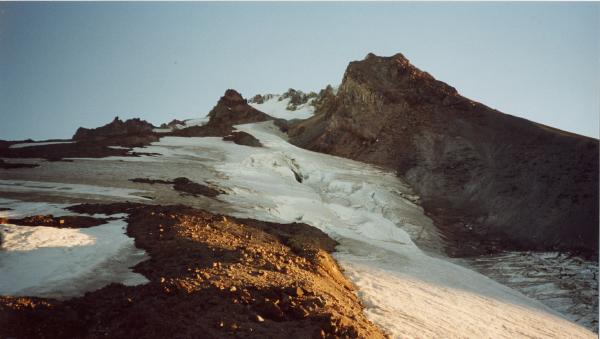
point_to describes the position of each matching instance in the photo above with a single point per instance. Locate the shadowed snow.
(57, 188)
(32, 144)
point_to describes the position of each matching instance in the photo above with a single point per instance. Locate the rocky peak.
(467, 161)
(231, 109)
(115, 128)
(392, 79)
(232, 99)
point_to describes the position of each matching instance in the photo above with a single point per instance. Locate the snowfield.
(32, 144)
(278, 109)
(388, 247)
(61, 262)
(56, 188)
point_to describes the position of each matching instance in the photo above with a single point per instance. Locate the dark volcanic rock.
(172, 124)
(117, 127)
(243, 138)
(132, 133)
(232, 109)
(190, 187)
(150, 181)
(490, 180)
(57, 152)
(260, 98)
(90, 143)
(184, 185)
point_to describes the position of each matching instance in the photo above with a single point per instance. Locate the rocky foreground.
(210, 276)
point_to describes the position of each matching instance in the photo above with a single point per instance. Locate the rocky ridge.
(297, 98)
(132, 132)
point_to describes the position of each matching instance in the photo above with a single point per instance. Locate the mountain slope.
(490, 180)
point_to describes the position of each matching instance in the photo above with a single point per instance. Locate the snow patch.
(62, 262)
(194, 122)
(278, 109)
(32, 144)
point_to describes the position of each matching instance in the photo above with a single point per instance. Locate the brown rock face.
(490, 180)
(135, 131)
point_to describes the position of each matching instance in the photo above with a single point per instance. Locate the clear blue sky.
(80, 64)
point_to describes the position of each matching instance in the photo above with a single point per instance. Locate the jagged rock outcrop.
(132, 132)
(490, 180)
(325, 97)
(261, 98)
(232, 109)
(297, 98)
(175, 123)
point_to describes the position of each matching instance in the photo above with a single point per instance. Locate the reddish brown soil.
(210, 276)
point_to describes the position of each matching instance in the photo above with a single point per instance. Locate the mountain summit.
(497, 180)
